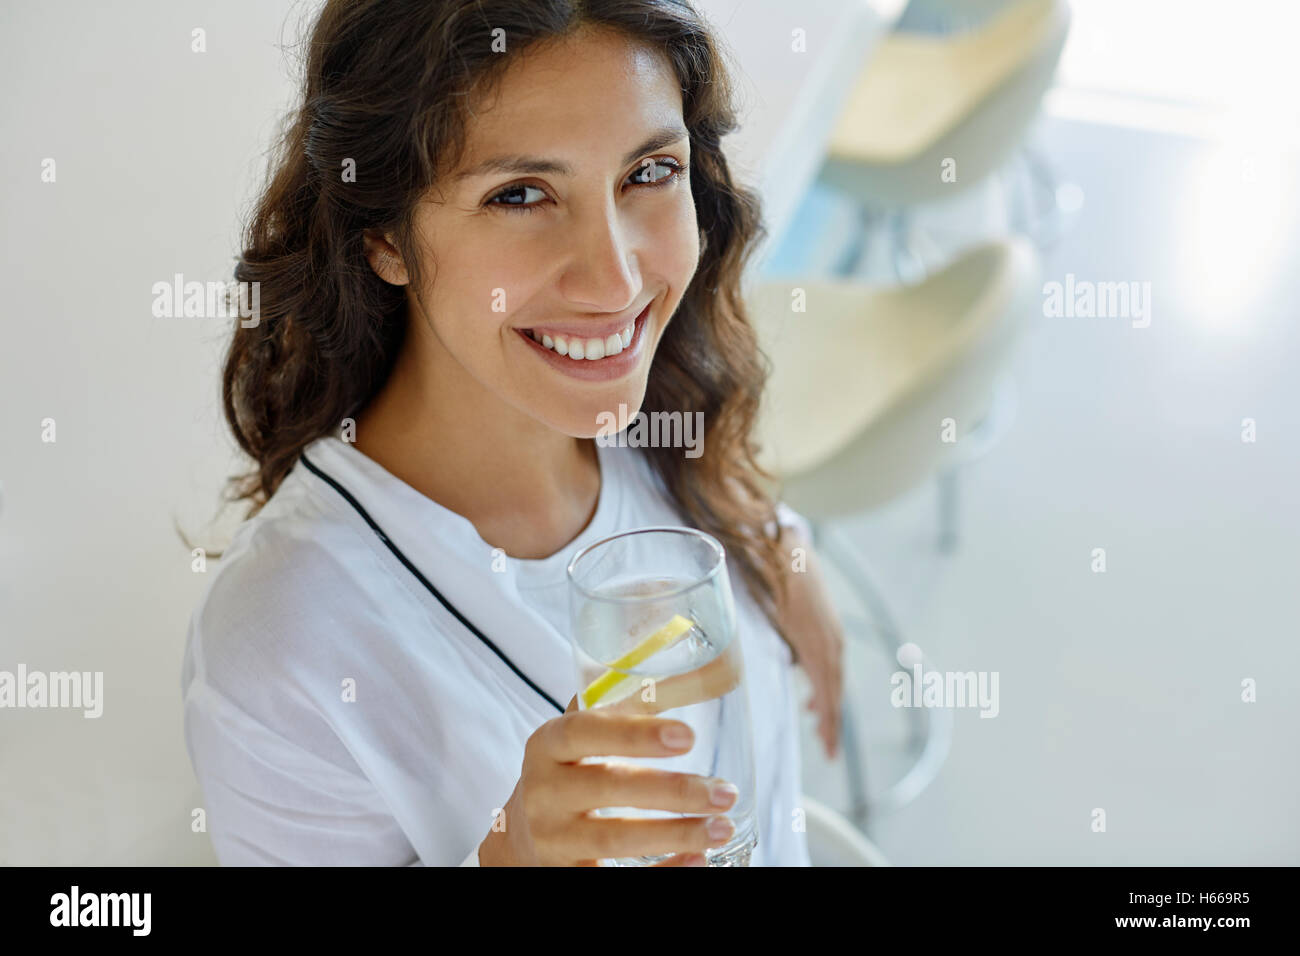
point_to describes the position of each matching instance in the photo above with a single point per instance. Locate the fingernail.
(675, 735)
(720, 828)
(696, 859)
(722, 794)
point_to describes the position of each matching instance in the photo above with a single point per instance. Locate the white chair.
(872, 392)
(834, 841)
(926, 100)
(863, 380)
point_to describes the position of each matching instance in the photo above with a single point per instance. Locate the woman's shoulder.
(289, 577)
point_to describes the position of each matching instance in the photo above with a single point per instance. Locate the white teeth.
(588, 349)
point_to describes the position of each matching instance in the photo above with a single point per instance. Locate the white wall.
(158, 150)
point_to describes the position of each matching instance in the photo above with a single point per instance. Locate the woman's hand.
(812, 628)
(546, 819)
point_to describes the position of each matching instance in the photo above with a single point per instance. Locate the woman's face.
(558, 250)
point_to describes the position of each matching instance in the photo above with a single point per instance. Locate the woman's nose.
(604, 269)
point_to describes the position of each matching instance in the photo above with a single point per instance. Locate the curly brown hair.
(384, 85)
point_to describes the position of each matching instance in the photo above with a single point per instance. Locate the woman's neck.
(526, 488)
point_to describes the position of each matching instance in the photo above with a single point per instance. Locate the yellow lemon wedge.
(662, 639)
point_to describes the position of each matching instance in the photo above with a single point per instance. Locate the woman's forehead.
(576, 87)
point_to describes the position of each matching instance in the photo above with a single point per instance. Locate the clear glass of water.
(654, 632)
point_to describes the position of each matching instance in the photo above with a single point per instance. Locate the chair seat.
(858, 349)
(861, 380)
(918, 87)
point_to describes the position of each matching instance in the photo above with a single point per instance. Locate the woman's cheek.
(485, 283)
(677, 251)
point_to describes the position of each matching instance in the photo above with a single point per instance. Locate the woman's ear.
(385, 259)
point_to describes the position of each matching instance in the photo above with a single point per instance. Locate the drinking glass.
(654, 632)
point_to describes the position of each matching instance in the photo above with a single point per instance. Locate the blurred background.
(1044, 251)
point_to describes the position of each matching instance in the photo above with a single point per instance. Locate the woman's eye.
(647, 167)
(509, 195)
(516, 199)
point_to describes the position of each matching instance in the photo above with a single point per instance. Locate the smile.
(609, 354)
(582, 348)
(591, 349)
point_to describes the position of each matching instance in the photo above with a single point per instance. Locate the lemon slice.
(662, 639)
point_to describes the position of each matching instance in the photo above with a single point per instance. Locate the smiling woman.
(490, 224)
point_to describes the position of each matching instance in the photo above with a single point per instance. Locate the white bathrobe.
(337, 714)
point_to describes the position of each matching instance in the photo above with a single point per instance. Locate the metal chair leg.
(855, 253)
(909, 267)
(855, 770)
(930, 734)
(1049, 221)
(948, 503)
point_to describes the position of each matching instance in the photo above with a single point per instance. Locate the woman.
(491, 221)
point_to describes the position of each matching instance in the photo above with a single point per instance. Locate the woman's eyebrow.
(537, 165)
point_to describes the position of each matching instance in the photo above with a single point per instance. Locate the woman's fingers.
(829, 736)
(837, 715)
(826, 676)
(594, 733)
(832, 720)
(589, 786)
(608, 837)
(718, 677)
(837, 686)
(826, 702)
(830, 708)
(677, 859)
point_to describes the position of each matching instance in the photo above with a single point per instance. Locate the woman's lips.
(601, 369)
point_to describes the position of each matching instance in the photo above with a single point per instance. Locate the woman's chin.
(596, 419)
